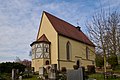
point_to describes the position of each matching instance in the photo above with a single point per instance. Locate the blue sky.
(20, 19)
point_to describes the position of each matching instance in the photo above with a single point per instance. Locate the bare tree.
(104, 32)
(97, 31)
(113, 26)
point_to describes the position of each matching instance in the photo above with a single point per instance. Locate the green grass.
(33, 78)
(5, 76)
(97, 76)
(100, 77)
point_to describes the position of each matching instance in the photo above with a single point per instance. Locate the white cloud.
(20, 19)
(17, 28)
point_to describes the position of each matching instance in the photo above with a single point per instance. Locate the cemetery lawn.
(100, 77)
(33, 78)
(5, 76)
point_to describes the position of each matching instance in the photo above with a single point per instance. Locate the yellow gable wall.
(47, 29)
(78, 49)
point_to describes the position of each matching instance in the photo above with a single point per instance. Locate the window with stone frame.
(87, 53)
(68, 51)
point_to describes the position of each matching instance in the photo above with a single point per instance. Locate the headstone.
(41, 70)
(54, 67)
(20, 77)
(80, 70)
(52, 72)
(13, 74)
(26, 70)
(52, 76)
(17, 71)
(75, 74)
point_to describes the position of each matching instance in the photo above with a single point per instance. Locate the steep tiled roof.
(43, 38)
(68, 30)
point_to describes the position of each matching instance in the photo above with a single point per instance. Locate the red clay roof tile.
(43, 38)
(68, 30)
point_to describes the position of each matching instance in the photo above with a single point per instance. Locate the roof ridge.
(66, 29)
(59, 19)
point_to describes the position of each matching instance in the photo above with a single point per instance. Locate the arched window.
(47, 62)
(68, 50)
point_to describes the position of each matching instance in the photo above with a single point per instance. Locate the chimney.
(78, 28)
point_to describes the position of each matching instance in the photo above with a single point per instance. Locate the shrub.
(5, 76)
(117, 67)
(27, 76)
(112, 60)
(62, 77)
(91, 68)
(99, 61)
(8, 66)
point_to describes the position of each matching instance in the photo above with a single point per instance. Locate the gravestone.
(20, 77)
(75, 74)
(17, 71)
(26, 70)
(41, 70)
(13, 74)
(52, 72)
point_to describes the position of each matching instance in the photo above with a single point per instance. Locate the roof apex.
(43, 38)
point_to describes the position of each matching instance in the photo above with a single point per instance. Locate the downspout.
(58, 54)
